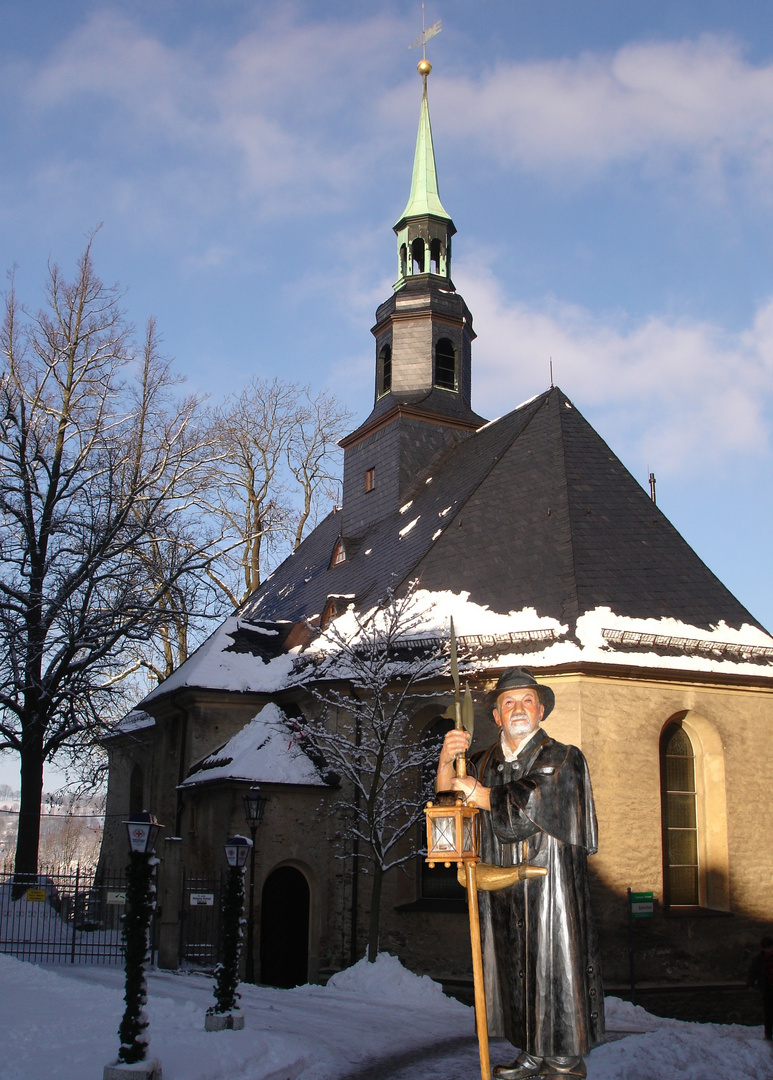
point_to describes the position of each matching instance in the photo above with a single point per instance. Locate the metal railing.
(71, 917)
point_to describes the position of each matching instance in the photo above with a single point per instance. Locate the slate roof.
(532, 510)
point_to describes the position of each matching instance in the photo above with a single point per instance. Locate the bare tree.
(364, 733)
(311, 455)
(276, 445)
(99, 466)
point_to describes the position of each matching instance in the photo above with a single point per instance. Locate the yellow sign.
(37, 896)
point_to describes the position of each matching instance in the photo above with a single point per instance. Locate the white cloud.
(672, 105)
(262, 115)
(298, 115)
(681, 392)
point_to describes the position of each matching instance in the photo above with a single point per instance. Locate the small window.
(332, 610)
(339, 553)
(417, 255)
(680, 818)
(370, 479)
(445, 364)
(434, 257)
(385, 370)
(403, 260)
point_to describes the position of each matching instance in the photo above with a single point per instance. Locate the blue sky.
(608, 166)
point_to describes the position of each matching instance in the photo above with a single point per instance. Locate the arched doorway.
(284, 928)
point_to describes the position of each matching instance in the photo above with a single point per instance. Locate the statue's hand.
(475, 794)
(454, 744)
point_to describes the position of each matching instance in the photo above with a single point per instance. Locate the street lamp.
(142, 830)
(254, 805)
(226, 1014)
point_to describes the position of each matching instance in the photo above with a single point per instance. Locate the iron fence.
(71, 917)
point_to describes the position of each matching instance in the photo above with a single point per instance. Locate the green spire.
(424, 197)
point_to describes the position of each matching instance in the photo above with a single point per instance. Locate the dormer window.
(339, 553)
(385, 370)
(329, 613)
(335, 606)
(370, 479)
(445, 365)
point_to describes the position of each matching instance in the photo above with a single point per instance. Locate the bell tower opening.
(445, 365)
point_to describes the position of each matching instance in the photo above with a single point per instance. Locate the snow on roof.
(511, 638)
(264, 751)
(213, 666)
(134, 721)
(601, 637)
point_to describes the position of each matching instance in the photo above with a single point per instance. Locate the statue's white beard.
(518, 724)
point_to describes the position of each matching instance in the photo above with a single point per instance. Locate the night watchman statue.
(540, 951)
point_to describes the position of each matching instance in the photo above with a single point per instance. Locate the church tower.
(423, 367)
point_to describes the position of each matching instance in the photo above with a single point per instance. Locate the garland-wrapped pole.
(140, 905)
(140, 902)
(221, 1015)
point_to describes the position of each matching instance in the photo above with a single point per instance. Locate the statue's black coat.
(540, 949)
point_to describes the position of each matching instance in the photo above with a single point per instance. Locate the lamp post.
(254, 805)
(226, 1013)
(142, 830)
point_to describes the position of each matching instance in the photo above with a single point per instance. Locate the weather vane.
(427, 32)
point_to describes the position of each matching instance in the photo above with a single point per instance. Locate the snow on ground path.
(376, 1021)
(61, 1022)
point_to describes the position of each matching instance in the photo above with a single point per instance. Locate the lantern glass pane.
(443, 834)
(469, 834)
(138, 836)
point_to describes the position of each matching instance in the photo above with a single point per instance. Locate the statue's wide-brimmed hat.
(516, 677)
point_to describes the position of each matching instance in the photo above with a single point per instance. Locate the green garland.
(136, 924)
(227, 972)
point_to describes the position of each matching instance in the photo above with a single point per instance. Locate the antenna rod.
(551, 372)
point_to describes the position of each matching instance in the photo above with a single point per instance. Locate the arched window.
(339, 553)
(403, 260)
(434, 256)
(331, 611)
(445, 364)
(385, 370)
(440, 882)
(417, 255)
(136, 791)
(680, 818)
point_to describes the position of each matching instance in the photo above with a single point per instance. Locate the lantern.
(237, 848)
(452, 831)
(254, 805)
(143, 829)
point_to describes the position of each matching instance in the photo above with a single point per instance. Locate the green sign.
(642, 905)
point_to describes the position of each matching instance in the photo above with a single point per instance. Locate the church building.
(549, 555)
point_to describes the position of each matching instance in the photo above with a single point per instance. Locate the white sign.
(202, 899)
(115, 898)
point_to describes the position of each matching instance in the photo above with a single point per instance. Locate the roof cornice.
(409, 412)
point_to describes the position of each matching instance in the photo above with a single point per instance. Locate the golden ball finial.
(424, 67)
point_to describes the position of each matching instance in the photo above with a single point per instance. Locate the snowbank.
(387, 980)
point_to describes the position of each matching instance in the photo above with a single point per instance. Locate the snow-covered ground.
(374, 1021)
